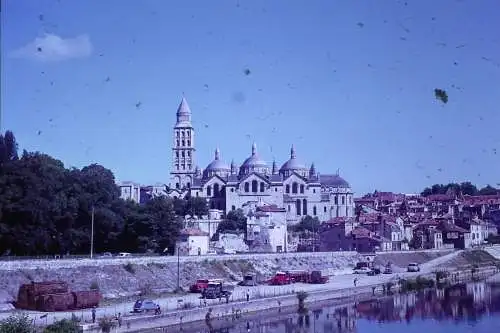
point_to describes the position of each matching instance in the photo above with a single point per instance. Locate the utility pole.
(178, 268)
(92, 235)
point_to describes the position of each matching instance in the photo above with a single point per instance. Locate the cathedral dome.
(217, 164)
(333, 181)
(254, 163)
(293, 163)
(216, 167)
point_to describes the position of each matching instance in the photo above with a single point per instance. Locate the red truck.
(280, 278)
(202, 284)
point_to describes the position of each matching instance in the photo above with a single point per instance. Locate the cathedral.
(299, 189)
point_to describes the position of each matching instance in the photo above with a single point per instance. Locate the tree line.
(465, 188)
(46, 208)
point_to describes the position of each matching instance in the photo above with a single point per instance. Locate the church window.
(177, 186)
(189, 134)
(297, 206)
(197, 195)
(177, 166)
(336, 200)
(343, 200)
(216, 190)
(184, 167)
(233, 207)
(294, 188)
(177, 154)
(304, 207)
(189, 143)
(324, 209)
(262, 187)
(212, 205)
(177, 143)
(288, 207)
(177, 134)
(183, 143)
(209, 191)
(287, 188)
(275, 189)
(232, 190)
(183, 154)
(301, 188)
(188, 185)
(183, 134)
(189, 153)
(189, 166)
(247, 187)
(254, 186)
(314, 211)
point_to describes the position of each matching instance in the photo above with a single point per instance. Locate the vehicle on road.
(211, 253)
(217, 290)
(229, 251)
(146, 305)
(388, 269)
(202, 284)
(413, 267)
(280, 278)
(362, 270)
(317, 278)
(123, 255)
(374, 271)
(249, 280)
(106, 255)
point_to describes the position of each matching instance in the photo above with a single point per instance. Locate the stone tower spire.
(183, 150)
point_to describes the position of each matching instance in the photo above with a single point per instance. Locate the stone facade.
(300, 190)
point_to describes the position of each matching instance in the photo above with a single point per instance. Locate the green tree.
(488, 190)
(63, 326)
(308, 223)
(235, 222)
(19, 323)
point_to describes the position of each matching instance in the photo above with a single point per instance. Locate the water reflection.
(464, 303)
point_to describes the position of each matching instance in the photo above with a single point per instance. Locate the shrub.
(129, 267)
(106, 324)
(20, 323)
(63, 326)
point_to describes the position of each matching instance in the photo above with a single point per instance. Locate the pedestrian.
(227, 299)
(93, 315)
(355, 282)
(248, 296)
(119, 319)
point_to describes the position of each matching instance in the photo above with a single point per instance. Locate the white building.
(299, 189)
(192, 242)
(130, 191)
(267, 229)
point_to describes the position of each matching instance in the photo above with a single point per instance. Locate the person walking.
(355, 282)
(93, 315)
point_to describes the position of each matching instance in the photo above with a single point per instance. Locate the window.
(233, 207)
(188, 185)
(247, 187)
(177, 186)
(262, 187)
(336, 200)
(189, 134)
(232, 190)
(189, 143)
(314, 190)
(288, 207)
(197, 195)
(301, 188)
(177, 166)
(183, 134)
(324, 209)
(275, 189)
(183, 143)
(287, 189)
(314, 210)
(209, 191)
(177, 134)
(183, 154)
(177, 154)
(294, 188)
(304, 207)
(297, 206)
(189, 153)
(216, 190)
(343, 200)
(177, 141)
(189, 166)
(254, 186)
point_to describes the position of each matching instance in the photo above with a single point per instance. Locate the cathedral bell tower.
(183, 151)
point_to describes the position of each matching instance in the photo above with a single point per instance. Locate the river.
(471, 307)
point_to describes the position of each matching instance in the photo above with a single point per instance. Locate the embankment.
(120, 278)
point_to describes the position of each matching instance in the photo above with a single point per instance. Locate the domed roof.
(333, 181)
(292, 164)
(254, 160)
(217, 164)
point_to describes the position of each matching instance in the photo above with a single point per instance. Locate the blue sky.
(349, 83)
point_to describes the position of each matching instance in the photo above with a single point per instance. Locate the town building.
(300, 190)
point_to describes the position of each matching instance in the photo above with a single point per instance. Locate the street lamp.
(178, 268)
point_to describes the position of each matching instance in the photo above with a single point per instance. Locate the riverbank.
(121, 279)
(338, 290)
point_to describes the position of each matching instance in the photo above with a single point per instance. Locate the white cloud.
(54, 48)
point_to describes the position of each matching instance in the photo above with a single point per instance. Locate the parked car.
(211, 253)
(124, 255)
(202, 284)
(374, 271)
(249, 280)
(413, 267)
(106, 255)
(146, 305)
(316, 277)
(217, 290)
(388, 269)
(362, 270)
(229, 251)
